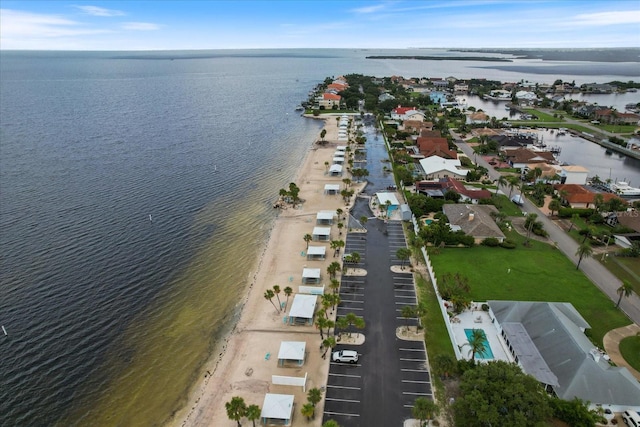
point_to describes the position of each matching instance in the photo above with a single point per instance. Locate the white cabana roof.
(336, 168)
(277, 406)
(292, 350)
(321, 231)
(303, 306)
(341, 148)
(332, 187)
(391, 197)
(325, 215)
(310, 273)
(316, 250)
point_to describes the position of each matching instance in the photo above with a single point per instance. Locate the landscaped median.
(538, 272)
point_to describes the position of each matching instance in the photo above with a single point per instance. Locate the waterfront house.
(438, 97)
(573, 174)
(550, 173)
(578, 196)
(435, 146)
(520, 157)
(436, 167)
(467, 195)
(329, 100)
(406, 113)
(415, 126)
(474, 220)
(478, 118)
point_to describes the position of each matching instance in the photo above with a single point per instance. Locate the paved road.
(598, 274)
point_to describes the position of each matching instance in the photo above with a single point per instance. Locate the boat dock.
(601, 140)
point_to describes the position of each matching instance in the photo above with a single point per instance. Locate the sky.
(244, 24)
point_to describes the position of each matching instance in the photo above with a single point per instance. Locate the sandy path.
(241, 367)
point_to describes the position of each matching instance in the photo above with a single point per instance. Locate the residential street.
(598, 274)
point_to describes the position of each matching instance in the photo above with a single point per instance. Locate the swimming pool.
(487, 353)
(428, 221)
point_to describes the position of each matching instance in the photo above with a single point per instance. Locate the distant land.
(442, 58)
(592, 55)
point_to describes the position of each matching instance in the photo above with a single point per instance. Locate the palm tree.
(531, 219)
(363, 219)
(584, 250)
(276, 290)
(513, 182)
(347, 182)
(236, 409)
(340, 227)
(268, 295)
(334, 285)
(308, 411)
(625, 290)
(408, 312)
(339, 213)
(333, 268)
(574, 218)
(326, 166)
(403, 254)
(253, 414)
(331, 423)
(424, 409)
(323, 133)
(502, 182)
(314, 396)
(554, 206)
(321, 323)
(307, 238)
(355, 257)
(444, 364)
(288, 291)
(476, 343)
(328, 344)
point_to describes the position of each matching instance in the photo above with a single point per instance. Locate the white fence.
(294, 381)
(311, 290)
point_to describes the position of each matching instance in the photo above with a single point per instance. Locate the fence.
(294, 381)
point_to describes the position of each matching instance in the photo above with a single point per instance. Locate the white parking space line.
(341, 414)
(416, 382)
(345, 375)
(350, 308)
(341, 387)
(411, 349)
(342, 400)
(402, 359)
(414, 370)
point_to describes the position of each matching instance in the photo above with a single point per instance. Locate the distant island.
(441, 58)
(591, 55)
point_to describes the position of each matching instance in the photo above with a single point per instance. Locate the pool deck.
(475, 318)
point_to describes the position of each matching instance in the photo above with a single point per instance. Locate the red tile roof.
(438, 146)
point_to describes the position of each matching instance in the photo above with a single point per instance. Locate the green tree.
(403, 254)
(307, 238)
(476, 343)
(501, 182)
(236, 409)
(444, 365)
(308, 411)
(328, 344)
(574, 412)
(277, 290)
(574, 219)
(340, 227)
(513, 182)
(314, 396)
(288, 291)
(268, 295)
(253, 414)
(499, 394)
(584, 250)
(323, 133)
(333, 268)
(424, 409)
(408, 312)
(624, 291)
(331, 423)
(554, 206)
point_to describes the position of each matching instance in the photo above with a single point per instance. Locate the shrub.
(491, 241)
(568, 212)
(508, 244)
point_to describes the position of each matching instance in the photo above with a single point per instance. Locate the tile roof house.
(547, 340)
(436, 167)
(328, 100)
(406, 113)
(578, 196)
(520, 157)
(435, 146)
(416, 126)
(467, 195)
(474, 220)
(477, 118)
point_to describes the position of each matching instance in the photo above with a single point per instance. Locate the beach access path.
(248, 357)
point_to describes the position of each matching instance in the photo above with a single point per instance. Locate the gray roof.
(474, 220)
(556, 332)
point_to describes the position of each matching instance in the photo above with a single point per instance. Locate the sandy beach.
(247, 358)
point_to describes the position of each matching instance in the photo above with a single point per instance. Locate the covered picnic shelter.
(310, 275)
(335, 170)
(292, 351)
(316, 253)
(325, 217)
(331, 188)
(277, 409)
(322, 234)
(302, 309)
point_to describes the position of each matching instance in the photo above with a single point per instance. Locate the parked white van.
(631, 418)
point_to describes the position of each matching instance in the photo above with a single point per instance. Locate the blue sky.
(243, 24)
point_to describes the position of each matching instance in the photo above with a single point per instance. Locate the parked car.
(345, 356)
(631, 418)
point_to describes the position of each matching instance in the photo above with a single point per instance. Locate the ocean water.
(136, 195)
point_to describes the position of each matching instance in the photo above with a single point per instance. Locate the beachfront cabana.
(325, 217)
(310, 275)
(316, 253)
(335, 170)
(341, 148)
(292, 351)
(321, 234)
(331, 189)
(277, 409)
(302, 309)
(338, 160)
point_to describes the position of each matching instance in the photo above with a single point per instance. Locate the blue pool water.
(487, 353)
(428, 221)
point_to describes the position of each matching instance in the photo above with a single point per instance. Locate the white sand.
(241, 368)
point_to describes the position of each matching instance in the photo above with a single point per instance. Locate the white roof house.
(574, 174)
(331, 188)
(303, 308)
(310, 275)
(335, 170)
(277, 408)
(321, 233)
(341, 148)
(338, 160)
(316, 252)
(383, 197)
(292, 350)
(325, 217)
(436, 167)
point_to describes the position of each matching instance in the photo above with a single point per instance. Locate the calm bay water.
(136, 196)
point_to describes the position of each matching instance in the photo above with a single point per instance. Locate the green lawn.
(536, 273)
(630, 349)
(624, 269)
(542, 117)
(505, 205)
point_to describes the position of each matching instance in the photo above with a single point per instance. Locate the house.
(521, 157)
(460, 87)
(416, 126)
(550, 173)
(547, 340)
(406, 113)
(474, 220)
(578, 196)
(466, 195)
(385, 97)
(629, 219)
(389, 199)
(438, 97)
(436, 167)
(277, 408)
(478, 118)
(432, 189)
(526, 95)
(573, 174)
(435, 146)
(329, 100)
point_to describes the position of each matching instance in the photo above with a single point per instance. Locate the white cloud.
(100, 11)
(15, 24)
(140, 26)
(608, 18)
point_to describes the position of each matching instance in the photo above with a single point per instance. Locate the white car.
(345, 356)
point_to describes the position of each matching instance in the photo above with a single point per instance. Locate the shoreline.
(241, 363)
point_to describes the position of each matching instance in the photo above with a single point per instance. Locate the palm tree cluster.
(292, 195)
(238, 409)
(314, 396)
(275, 292)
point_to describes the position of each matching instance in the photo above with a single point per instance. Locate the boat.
(299, 108)
(623, 189)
